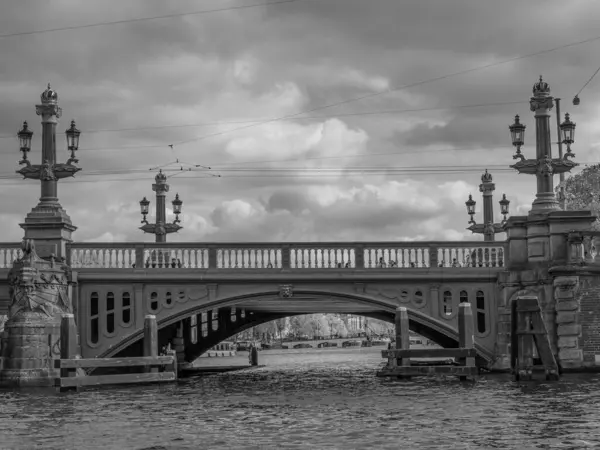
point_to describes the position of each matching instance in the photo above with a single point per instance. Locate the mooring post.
(150, 339)
(466, 338)
(402, 335)
(68, 346)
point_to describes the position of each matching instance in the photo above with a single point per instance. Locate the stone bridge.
(204, 293)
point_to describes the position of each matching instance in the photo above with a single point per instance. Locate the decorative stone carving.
(38, 291)
(400, 295)
(37, 286)
(286, 291)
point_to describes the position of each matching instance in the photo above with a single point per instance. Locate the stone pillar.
(161, 188)
(39, 297)
(568, 327)
(540, 104)
(487, 188)
(516, 235)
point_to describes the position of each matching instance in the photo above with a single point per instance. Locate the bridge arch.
(419, 322)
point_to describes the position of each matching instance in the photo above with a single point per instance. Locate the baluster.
(370, 257)
(587, 249)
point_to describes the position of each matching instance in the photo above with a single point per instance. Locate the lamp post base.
(51, 228)
(544, 202)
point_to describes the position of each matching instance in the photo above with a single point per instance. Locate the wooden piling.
(466, 338)
(68, 346)
(402, 336)
(530, 334)
(524, 367)
(150, 339)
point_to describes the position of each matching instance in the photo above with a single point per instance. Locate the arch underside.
(419, 322)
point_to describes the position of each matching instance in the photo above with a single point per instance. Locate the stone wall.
(568, 326)
(589, 300)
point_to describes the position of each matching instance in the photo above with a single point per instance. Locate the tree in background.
(582, 192)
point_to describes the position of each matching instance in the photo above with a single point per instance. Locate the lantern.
(177, 207)
(144, 208)
(25, 139)
(567, 129)
(517, 132)
(73, 137)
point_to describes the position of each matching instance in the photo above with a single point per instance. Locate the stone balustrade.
(294, 256)
(9, 252)
(583, 247)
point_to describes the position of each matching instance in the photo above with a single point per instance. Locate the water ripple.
(310, 400)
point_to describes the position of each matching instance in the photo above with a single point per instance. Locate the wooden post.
(524, 343)
(150, 338)
(514, 342)
(466, 338)
(174, 365)
(68, 345)
(402, 335)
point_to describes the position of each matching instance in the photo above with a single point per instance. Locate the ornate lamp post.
(49, 172)
(488, 228)
(48, 223)
(161, 228)
(544, 167)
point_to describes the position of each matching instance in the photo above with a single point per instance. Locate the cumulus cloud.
(341, 169)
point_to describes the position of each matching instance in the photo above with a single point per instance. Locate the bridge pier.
(39, 296)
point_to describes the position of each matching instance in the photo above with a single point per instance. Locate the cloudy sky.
(385, 128)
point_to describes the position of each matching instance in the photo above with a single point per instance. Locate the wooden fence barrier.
(399, 359)
(156, 368)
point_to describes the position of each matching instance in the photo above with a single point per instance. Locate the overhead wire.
(390, 90)
(142, 19)
(228, 122)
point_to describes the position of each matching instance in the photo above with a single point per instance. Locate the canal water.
(310, 399)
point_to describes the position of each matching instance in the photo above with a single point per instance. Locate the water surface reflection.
(317, 399)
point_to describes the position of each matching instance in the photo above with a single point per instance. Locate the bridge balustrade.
(293, 256)
(8, 253)
(583, 247)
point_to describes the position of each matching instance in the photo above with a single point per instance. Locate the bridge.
(209, 292)
(203, 293)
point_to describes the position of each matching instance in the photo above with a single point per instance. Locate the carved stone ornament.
(541, 103)
(286, 291)
(37, 285)
(47, 172)
(545, 167)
